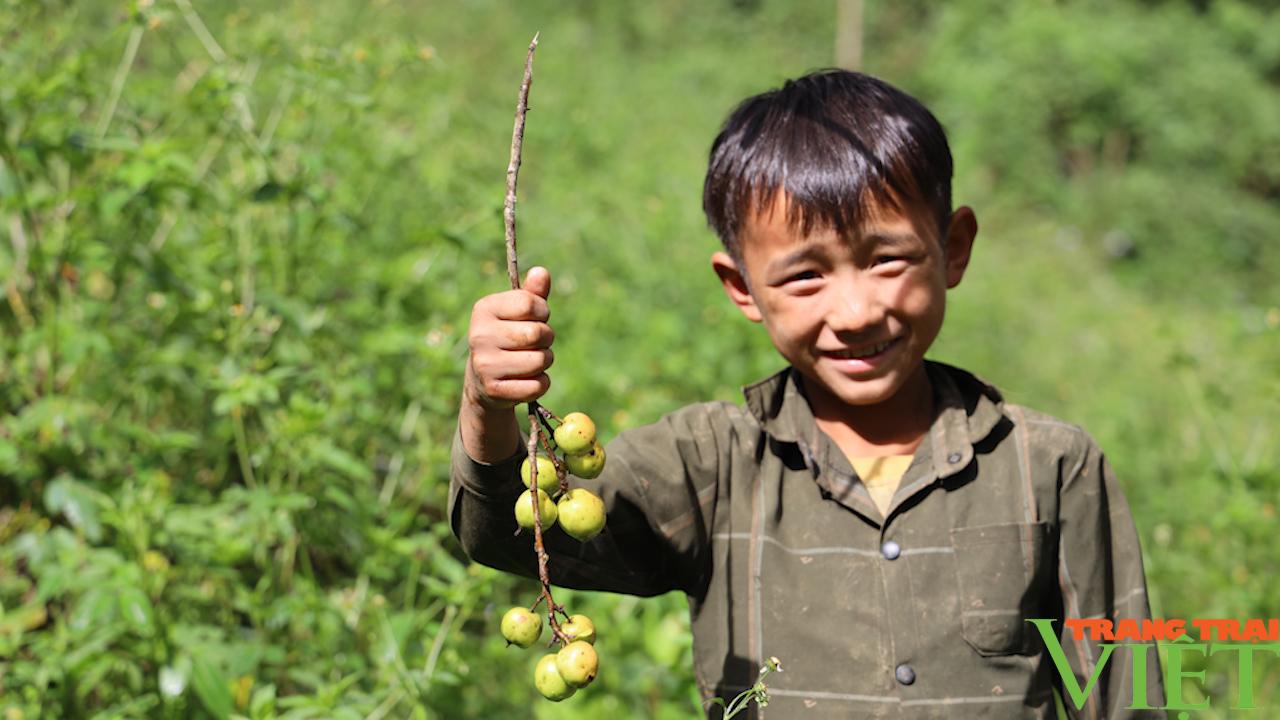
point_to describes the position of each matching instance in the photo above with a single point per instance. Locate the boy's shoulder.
(1040, 431)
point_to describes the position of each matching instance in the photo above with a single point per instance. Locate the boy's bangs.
(835, 144)
(830, 182)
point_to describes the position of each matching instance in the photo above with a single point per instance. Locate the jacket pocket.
(998, 569)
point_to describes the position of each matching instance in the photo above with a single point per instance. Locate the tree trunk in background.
(849, 34)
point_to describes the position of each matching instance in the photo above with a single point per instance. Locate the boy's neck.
(894, 427)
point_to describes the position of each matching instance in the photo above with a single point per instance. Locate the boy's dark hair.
(833, 141)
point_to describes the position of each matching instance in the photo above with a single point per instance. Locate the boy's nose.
(853, 309)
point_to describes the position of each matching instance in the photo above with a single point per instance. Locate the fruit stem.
(543, 576)
(542, 415)
(551, 451)
(548, 416)
(562, 471)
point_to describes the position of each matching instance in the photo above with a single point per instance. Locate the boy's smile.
(854, 315)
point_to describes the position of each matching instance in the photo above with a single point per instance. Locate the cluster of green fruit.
(558, 675)
(580, 512)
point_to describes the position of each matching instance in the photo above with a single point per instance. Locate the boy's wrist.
(489, 434)
(472, 395)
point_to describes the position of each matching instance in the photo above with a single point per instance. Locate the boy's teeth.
(850, 354)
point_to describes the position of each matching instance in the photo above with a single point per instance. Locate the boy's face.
(854, 315)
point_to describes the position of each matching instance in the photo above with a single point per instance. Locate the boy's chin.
(834, 390)
(849, 392)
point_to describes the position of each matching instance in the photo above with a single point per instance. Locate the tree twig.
(543, 576)
(513, 167)
(548, 416)
(535, 410)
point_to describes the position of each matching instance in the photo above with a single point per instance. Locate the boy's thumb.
(538, 281)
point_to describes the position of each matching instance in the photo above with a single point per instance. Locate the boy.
(883, 524)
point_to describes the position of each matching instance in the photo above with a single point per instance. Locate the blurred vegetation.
(239, 245)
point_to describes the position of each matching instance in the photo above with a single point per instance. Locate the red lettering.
(1209, 628)
(1076, 626)
(1160, 629)
(1176, 628)
(1261, 630)
(1232, 630)
(1102, 629)
(1127, 629)
(1254, 630)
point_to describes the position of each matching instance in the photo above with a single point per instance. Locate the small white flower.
(172, 682)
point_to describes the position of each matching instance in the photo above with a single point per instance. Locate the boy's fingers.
(519, 390)
(538, 281)
(523, 364)
(511, 364)
(524, 335)
(518, 305)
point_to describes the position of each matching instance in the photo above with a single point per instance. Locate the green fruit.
(546, 677)
(581, 514)
(547, 480)
(581, 628)
(521, 627)
(546, 508)
(576, 434)
(586, 465)
(578, 663)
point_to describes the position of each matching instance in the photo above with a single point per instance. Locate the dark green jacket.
(1004, 514)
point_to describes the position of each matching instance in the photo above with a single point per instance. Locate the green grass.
(234, 321)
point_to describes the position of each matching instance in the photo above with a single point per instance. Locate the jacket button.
(954, 458)
(904, 674)
(891, 550)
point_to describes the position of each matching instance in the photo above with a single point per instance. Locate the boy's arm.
(659, 487)
(1100, 576)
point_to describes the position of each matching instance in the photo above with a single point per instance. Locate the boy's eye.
(803, 275)
(883, 259)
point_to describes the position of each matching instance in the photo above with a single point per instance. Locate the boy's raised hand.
(510, 344)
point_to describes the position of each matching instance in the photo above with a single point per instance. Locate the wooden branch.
(513, 167)
(536, 412)
(557, 635)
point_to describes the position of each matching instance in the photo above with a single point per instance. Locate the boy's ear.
(961, 232)
(735, 285)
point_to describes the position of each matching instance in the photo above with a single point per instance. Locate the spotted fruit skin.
(587, 465)
(578, 663)
(547, 480)
(576, 434)
(546, 508)
(581, 514)
(521, 627)
(580, 627)
(546, 677)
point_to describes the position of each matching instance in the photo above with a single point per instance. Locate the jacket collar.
(968, 410)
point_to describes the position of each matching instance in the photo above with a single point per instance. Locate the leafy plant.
(239, 244)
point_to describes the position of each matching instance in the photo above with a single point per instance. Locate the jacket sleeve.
(1100, 576)
(659, 486)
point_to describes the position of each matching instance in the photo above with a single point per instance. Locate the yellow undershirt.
(881, 475)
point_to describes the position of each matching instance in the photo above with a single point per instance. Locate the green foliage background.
(239, 245)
